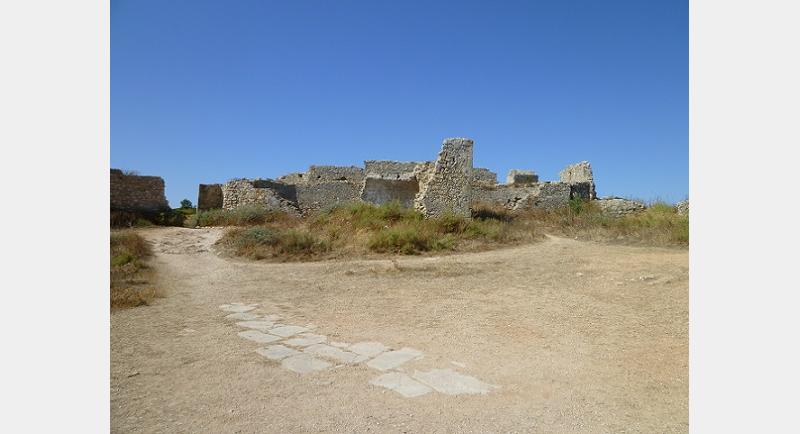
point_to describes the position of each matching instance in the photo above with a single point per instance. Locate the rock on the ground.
(682, 207)
(619, 207)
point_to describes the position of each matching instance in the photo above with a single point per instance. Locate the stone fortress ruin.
(449, 184)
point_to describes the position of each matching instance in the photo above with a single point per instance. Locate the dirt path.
(561, 336)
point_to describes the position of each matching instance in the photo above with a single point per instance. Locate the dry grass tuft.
(130, 275)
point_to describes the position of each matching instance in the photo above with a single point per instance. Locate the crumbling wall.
(380, 190)
(323, 174)
(581, 178)
(137, 193)
(508, 196)
(312, 197)
(209, 196)
(293, 178)
(546, 195)
(483, 177)
(619, 207)
(386, 181)
(388, 169)
(551, 195)
(521, 177)
(446, 187)
(239, 192)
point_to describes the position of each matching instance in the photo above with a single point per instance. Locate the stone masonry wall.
(386, 181)
(238, 192)
(579, 173)
(547, 195)
(322, 174)
(312, 197)
(521, 177)
(386, 169)
(483, 177)
(447, 187)
(209, 196)
(137, 193)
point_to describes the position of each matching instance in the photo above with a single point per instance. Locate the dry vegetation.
(360, 229)
(130, 285)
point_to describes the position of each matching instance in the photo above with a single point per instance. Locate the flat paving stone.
(451, 382)
(257, 336)
(393, 359)
(339, 344)
(402, 384)
(369, 349)
(271, 317)
(262, 325)
(238, 308)
(277, 352)
(334, 353)
(242, 316)
(286, 330)
(304, 363)
(306, 339)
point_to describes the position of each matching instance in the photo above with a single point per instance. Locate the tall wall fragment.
(446, 187)
(209, 196)
(580, 177)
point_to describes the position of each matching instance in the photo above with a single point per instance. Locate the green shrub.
(186, 203)
(121, 259)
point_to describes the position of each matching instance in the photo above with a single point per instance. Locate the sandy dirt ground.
(579, 337)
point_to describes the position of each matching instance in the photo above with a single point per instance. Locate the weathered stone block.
(619, 207)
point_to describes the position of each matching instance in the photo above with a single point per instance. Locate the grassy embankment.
(360, 229)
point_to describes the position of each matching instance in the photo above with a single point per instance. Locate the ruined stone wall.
(483, 177)
(507, 196)
(293, 178)
(137, 193)
(312, 197)
(209, 196)
(387, 169)
(619, 207)
(546, 195)
(447, 186)
(387, 181)
(521, 177)
(577, 174)
(239, 192)
(379, 191)
(322, 174)
(551, 195)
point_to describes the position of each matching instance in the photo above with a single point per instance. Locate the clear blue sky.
(205, 91)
